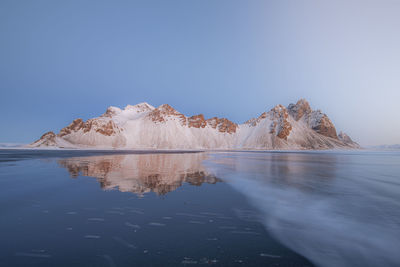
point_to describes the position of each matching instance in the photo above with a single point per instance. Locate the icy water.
(103, 208)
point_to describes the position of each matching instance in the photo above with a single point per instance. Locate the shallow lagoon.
(102, 208)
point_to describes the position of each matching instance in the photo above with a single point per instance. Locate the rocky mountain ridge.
(143, 126)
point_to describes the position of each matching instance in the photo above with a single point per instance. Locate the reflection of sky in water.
(336, 209)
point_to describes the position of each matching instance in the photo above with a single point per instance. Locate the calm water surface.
(77, 208)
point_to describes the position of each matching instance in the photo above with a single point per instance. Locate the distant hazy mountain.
(143, 126)
(11, 145)
(386, 147)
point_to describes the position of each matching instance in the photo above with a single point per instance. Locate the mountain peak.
(165, 110)
(141, 107)
(279, 108)
(302, 102)
(111, 111)
(47, 139)
(298, 110)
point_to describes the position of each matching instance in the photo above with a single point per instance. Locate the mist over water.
(334, 208)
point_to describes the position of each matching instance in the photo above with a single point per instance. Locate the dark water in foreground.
(77, 208)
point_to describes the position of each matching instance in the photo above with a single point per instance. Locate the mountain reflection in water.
(159, 173)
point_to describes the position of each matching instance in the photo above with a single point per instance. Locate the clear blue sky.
(60, 60)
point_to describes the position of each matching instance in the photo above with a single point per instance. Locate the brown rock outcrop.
(323, 125)
(280, 126)
(254, 121)
(316, 120)
(298, 110)
(159, 114)
(111, 111)
(47, 139)
(197, 121)
(226, 126)
(105, 127)
(75, 126)
(223, 125)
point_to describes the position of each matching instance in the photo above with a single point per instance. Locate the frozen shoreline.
(156, 150)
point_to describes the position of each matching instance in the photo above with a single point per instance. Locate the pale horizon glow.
(234, 59)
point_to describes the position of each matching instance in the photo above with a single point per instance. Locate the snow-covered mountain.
(143, 126)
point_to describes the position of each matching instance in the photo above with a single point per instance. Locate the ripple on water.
(92, 236)
(124, 243)
(156, 224)
(33, 255)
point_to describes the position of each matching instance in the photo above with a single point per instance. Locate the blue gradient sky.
(60, 60)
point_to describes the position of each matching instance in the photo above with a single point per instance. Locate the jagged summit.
(298, 110)
(143, 126)
(167, 109)
(315, 119)
(141, 107)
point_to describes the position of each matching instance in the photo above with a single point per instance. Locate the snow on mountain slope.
(143, 126)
